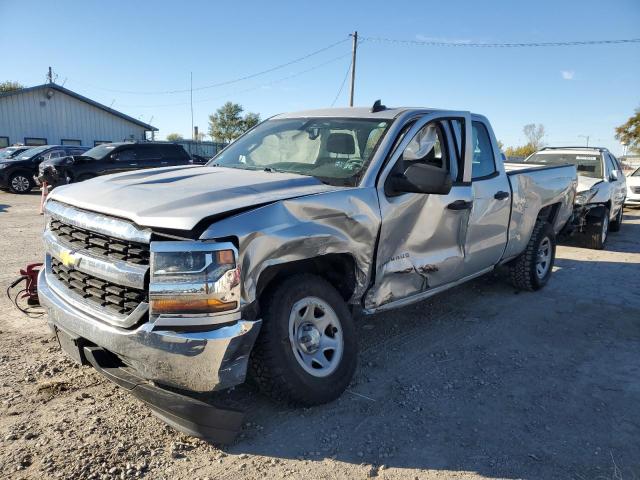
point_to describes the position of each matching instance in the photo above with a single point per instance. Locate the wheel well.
(337, 268)
(549, 213)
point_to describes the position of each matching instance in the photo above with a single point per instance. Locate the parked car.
(16, 174)
(11, 152)
(601, 189)
(188, 276)
(633, 189)
(117, 157)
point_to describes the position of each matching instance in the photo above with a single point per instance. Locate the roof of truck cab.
(353, 112)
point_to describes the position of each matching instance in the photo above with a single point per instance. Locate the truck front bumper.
(200, 361)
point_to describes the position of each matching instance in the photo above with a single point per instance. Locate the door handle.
(133, 164)
(501, 195)
(460, 205)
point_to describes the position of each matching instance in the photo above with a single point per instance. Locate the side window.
(483, 162)
(610, 165)
(148, 153)
(426, 147)
(127, 155)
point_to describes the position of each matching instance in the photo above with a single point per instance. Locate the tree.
(629, 132)
(522, 151)
(227, 123)
(534, 134)
(174, 137)
(9, 86)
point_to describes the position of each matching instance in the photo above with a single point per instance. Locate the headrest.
(341, 143)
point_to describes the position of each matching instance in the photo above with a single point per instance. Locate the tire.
(283, 361)
(531, 271)
(617, 222)
(597, 233)
(20, 183)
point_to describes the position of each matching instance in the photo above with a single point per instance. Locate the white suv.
(633, 189)
(601, 189)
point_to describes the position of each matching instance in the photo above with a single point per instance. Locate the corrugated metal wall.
(32, 114)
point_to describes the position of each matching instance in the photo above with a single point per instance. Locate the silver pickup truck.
(181, 279)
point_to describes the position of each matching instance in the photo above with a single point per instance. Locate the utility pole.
(191, 90)
(354, 48)
(586, 137)
(50, 75)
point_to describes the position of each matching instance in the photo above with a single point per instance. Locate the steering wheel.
(354, 164)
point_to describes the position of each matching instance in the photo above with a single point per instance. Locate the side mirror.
(66, 161)
(614, 175)
(421, 178)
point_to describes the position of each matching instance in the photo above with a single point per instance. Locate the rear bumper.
(200, 361)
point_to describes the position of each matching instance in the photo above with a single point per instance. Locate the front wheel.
(20, 183)
(617, 222)
(307, 351)
(532, 269)
(597, 233)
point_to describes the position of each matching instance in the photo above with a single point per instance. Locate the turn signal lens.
(224, 257)
(185, 305)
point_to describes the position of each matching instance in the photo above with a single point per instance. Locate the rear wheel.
(597, 232)
(617, 222)
(532, 269)
(20, 183)
(307, 350)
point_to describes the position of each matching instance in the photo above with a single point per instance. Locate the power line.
(238, 92)
(231, 81)
(344, 80)
(436, 43)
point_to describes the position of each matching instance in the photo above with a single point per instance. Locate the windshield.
(99, 152)
(7, 152)
(334, 150)
(32, 152)
(587, 165)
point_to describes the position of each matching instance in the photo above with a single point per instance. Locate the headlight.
(193, 278)
(583, 198)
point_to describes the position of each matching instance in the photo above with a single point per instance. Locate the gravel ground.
(480, 382)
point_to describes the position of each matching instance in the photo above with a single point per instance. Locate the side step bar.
(183, 413)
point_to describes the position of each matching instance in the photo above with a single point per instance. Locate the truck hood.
(585, 183)
(180, 197)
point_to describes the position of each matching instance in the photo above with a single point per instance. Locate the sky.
(125, 54)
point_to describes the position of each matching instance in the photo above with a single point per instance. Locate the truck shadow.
(483, 379)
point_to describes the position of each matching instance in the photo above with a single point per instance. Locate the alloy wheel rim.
(315, 335)
(605, 228)
(543, 260)
(20, 183)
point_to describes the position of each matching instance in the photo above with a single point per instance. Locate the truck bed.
(533, 187)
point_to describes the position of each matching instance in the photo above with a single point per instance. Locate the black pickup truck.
(116, 157)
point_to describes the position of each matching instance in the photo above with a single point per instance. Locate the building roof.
(82, 98)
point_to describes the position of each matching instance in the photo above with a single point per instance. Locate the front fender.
(343, 221)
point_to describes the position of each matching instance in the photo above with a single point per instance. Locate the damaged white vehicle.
(601, 189)
(181, 279)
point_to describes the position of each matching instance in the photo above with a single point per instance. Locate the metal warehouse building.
(51, 114)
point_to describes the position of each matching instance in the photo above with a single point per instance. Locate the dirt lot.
(480, 382)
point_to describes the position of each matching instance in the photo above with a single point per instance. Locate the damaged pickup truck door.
(489, 219)
(422, 234)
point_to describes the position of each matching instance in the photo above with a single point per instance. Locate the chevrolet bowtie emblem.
(68, 259)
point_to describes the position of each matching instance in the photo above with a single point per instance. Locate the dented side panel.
(341, 222)
(531, 192)
(421, 245)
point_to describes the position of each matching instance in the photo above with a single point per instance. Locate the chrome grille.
(118, 299)
(100, 245)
